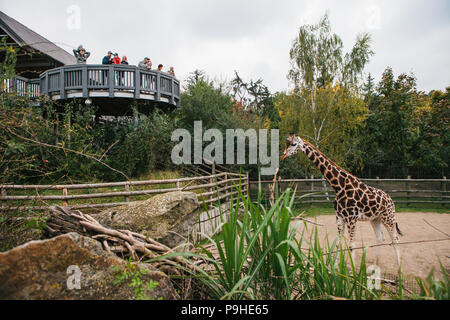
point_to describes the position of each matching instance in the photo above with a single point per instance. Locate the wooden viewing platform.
(109, 81)
(45, 69)
(105, 85)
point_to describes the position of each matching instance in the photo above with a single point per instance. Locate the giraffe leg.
(351, 236)
(376, 225)
(391, 228)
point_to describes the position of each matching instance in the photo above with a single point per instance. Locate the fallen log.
(124, 243)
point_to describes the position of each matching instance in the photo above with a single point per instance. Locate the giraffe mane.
(327, 158)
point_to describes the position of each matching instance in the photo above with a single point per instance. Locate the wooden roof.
(42, 54)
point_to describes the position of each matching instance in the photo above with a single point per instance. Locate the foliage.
(430, 288)
(331, 121)
(406, 132)
(134, 276)
(54, 145)
(317, 58)
(203, 102)
(8, 56)
(325, 106)
(254, 96)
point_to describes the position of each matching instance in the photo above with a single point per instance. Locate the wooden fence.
(210, 190)
(403, 191)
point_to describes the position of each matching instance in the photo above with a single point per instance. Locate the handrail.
(115, 80)
(22, 86)
(208, 191)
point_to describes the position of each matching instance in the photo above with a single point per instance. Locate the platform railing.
(22, 86)
(113, 79)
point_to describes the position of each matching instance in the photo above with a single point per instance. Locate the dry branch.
(124, 242)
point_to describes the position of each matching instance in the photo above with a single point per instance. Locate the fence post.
(213, 172)
(4, 194)
(111, 80)
(65, 203)
(312, 191)
(444, 191)
(247, 192)
(408, 187)
(127, 189)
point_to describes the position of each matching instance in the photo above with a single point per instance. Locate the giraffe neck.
(335, 175)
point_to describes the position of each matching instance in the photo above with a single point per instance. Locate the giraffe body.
(355, 201)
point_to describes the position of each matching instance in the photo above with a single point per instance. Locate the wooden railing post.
(408, 187)
(444, 190)
(4, 194)
(137, 83)
(127, 189)
(312, 191)
(65, 192)
(111, 80)
(158, 86)
(84, 81)
(62, 84)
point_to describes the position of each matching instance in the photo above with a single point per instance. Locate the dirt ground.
(417, 259)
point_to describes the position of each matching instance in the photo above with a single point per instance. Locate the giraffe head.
(294, 144)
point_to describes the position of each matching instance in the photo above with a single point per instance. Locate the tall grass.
(260, 254)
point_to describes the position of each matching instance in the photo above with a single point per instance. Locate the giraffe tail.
(398, 229)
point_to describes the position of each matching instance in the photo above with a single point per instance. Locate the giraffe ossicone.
(354, 200)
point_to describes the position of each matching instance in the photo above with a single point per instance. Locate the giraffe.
(355, 201)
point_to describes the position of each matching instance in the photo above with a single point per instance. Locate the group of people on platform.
(82, 55)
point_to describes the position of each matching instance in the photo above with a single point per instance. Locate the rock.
(39, 270)
(168, 218)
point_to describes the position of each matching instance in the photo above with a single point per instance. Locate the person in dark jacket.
(146, 64)
(124, 60)
(108, 59)
(81, 54)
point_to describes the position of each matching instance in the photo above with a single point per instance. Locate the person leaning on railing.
(124, 60)
(146, 64)
(108, 58)
(116, 59)
(81, 54)
(171, 71)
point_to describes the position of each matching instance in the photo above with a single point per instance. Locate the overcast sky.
(252, 37)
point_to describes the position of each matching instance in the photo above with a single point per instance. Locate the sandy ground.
(417, 259)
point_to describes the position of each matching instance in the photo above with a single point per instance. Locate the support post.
(444, 191)
(111, 81)
(85, 81)
(312, 191)
(127, 189)
(408, 188)
(172, 98)
(137, 83)
(4, 194)
(65, 203)
(62, 84)
(158, 86)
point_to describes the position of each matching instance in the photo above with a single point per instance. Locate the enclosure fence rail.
(403, 191)
(210, 189)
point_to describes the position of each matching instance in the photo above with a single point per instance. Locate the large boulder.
(42, 270)
(168, 218)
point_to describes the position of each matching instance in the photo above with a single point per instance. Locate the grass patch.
(327, 210)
